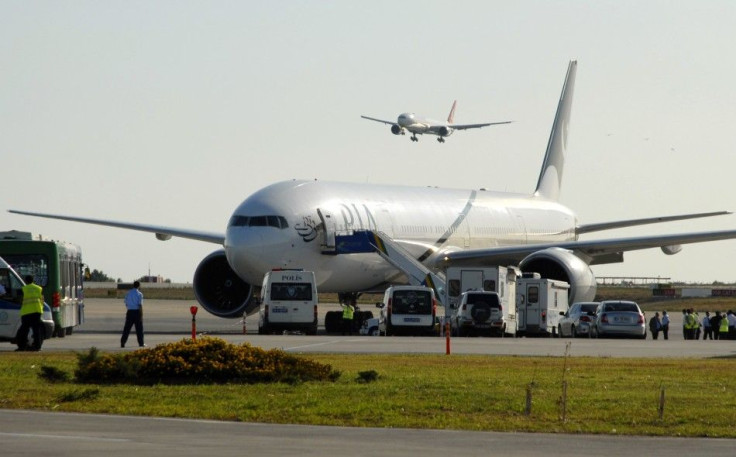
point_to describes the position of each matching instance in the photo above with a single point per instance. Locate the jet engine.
(397, 130)
(563, 265)
(220, 290)
(444, 131)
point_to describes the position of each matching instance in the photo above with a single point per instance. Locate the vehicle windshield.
(412, 302)
(584, 309)
(627, 307)
(282, 291)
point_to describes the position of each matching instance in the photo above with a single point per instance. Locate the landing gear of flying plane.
(440, 139)
(414, 138)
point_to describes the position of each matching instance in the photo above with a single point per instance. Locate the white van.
(408, 310)
(288, 302)
(10, 302)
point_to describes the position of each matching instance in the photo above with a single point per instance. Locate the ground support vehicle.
(539, 302)
(288, 302)
(501, 280)
(407, 310)
(55, 266)
(10, 303)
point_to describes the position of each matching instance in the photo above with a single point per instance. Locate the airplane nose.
(252, 251)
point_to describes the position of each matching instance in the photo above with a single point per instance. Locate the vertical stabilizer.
(451, 117)
(550, 178)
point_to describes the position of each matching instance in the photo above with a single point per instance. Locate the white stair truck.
(501, 280)
(539, 302)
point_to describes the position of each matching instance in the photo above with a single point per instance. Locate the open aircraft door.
(330, 230)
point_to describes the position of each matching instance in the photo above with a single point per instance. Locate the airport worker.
(30, 316)
(348, 310)
(715, 324)
(689, 324)
(731, 325)
(133, 315)
(665, 325)
(707, 329)
(655, 325)
(723, 329)
(697, 324)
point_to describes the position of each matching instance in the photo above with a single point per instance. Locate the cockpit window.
(259, 221)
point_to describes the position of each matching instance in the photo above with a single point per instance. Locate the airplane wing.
(162, 233)
(476, 126)
(587, 228)
(593, 252)
(378, 120)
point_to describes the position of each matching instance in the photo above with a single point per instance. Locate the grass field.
(608, 396)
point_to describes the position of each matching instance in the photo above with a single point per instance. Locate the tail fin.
(451, 117)
(550, 178)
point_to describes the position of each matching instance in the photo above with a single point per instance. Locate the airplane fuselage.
(284, 226)
(417, 124)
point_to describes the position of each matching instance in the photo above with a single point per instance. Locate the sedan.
(619, 318)
(576, 321)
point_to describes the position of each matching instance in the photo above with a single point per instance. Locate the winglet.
(550, 178)
(451, 117)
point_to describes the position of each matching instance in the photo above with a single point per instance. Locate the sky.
(173, 112)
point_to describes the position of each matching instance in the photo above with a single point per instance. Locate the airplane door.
(328, 223)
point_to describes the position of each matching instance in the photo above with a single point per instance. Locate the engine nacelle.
(397, 130)
(563, 265)
(445, 131)
(220, 290)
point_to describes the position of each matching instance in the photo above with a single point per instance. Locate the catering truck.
(539, 302)
(498, 279)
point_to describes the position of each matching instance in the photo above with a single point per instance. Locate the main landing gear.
(440, 139)
(414, 137)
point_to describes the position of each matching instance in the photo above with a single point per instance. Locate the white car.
(577, 320)
(369, 327)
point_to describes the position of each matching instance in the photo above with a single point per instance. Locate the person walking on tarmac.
(707, 329)
(715, 325)
(348, 310)
(30, 316)
(655, 325)
(133, 315)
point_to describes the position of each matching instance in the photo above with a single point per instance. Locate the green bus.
(55, 266)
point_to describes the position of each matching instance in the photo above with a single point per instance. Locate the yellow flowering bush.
(206, 360)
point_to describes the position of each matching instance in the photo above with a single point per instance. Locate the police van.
(288, 302)
(11, 298)
(407, 310)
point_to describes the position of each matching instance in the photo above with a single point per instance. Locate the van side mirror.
(379, 305)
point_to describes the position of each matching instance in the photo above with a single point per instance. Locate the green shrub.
(53, 374)
(204, 361)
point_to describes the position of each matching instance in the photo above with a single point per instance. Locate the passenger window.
(489, 285)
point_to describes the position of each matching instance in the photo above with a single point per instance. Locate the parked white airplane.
(416, 124)
(303, 224)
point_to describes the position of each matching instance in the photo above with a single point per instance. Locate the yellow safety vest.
(347, 312)
(32, 300)
(724, 325)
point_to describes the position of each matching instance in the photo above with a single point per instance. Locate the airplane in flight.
(304, 224)
(416, 124)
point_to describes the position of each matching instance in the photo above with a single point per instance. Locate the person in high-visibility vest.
(30, 316)
(348, 309)
(723, 328)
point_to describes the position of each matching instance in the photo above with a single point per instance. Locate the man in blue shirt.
(134, 315)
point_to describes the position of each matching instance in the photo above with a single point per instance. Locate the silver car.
(577, 320)
(619, 318)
